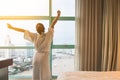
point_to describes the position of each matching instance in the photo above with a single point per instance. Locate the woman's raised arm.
(55, 19)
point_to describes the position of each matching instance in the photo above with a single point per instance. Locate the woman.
(42, 42)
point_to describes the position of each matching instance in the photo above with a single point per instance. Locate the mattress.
(90, 75)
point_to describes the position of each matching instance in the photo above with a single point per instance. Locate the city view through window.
(13, 45)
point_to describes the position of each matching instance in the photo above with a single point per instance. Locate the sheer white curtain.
(96, 35)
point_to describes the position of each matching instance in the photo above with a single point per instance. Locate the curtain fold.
(97, 35)
(118, 55)
(110, 35)
(88, 28)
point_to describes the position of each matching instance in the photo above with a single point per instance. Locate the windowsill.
(21, 77)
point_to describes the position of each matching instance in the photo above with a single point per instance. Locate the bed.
(90, 75)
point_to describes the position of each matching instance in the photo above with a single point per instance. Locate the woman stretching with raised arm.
(42, 42)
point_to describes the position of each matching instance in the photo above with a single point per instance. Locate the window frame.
(49, 18)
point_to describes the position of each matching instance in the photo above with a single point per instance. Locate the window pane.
(64, 33)
(24, 7)
(67, 7)
(11, 37)
(22, 61)
(62, 61)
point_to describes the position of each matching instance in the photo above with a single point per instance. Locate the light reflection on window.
(24, 7)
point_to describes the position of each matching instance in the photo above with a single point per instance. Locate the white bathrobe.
(42, 43)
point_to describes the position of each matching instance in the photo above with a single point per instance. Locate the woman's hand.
(58, 12)
(9, 26)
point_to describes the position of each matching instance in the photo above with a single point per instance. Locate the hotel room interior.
(86, 44)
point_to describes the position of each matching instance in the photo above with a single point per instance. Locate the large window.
(26, 14)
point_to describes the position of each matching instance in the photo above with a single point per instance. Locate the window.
(24, 7)
(63, 58)
(66, 6)
(25, 14)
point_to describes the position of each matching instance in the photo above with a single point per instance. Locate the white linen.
(90, 75)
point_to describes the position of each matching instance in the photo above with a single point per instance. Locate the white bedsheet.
(90, 75)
